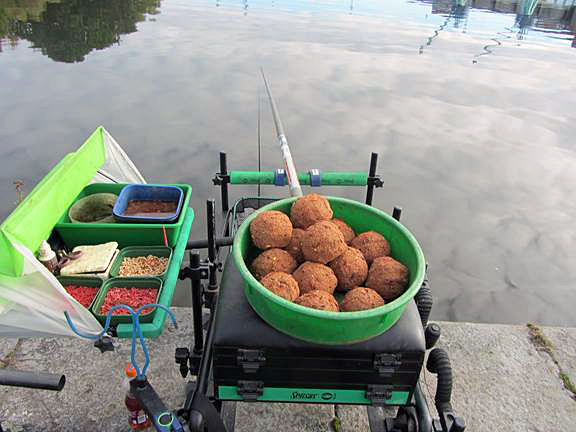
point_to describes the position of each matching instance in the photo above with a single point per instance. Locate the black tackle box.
(253, 361)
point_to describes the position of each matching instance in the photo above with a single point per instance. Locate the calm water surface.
(470, 104)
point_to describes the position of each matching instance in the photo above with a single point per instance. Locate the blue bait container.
(138, 192)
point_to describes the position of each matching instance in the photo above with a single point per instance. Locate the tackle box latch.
(386, 364)
(250, 359)
(379, 394)
(250, 390)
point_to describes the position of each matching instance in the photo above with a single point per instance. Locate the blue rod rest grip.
(280, 177)
(315, 177)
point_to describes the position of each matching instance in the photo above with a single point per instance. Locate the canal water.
(471, 106)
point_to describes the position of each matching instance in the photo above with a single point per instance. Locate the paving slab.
(8, 349)
(502, 382)
(564, 348)
(93, 398)
(6, 346)
(251, 417)
(354, 418)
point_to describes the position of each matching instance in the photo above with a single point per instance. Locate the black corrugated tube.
(439, 363)
(424, 302)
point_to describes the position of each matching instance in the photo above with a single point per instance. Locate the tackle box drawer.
(248, 352)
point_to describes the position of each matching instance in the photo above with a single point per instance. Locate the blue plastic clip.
(280, 177)
(315, 177)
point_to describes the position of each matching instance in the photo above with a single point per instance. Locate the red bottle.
(137, 418)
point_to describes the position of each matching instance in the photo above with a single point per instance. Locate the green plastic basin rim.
(343, 316)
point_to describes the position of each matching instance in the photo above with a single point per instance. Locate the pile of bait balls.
(307, 257)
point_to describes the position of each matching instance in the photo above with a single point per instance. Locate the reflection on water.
(557, 17)
(456, 10)
(477, 148)
(67, 30)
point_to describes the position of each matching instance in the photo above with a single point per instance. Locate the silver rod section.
(293, 182)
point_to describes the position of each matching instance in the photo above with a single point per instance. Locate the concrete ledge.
(251, 417)
(564, 348)
(502, 383)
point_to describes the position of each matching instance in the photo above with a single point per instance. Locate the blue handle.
(136, 331)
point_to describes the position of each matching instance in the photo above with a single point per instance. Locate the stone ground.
(504, 381)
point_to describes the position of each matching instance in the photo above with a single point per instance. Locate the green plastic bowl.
(333, 328)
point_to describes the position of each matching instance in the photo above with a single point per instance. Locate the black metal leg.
(424, 418)
(197, 304)
(203, 417)
(439, 363)
(224, 184)
(198, 410)
(371, 174)
(375, 419)
(228, 414)
(200, 413)
(212, 293)
(212, 264)
(424, 302)
(160, 415)
(206, 361)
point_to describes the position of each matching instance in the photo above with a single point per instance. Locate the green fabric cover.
(33, 219)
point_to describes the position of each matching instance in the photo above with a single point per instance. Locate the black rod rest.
(224, 178)
(203, 244)
(372, 175)
(439, 363)
(424, 302)
(162, 418)
(36, 380)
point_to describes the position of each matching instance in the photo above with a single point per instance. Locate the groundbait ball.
(372, 245)
(281, 284)
(310, 209)
(323, 242)
(346, 230)
(318, 299)
(273, 260)
(387, 277)
(350, 269)
(361, 298)
(294, 248)
(313, 276)
(271, 229)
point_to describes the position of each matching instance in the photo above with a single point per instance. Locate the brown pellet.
(143, 266)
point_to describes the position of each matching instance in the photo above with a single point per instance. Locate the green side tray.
(82, 281)
(154, 328)
(125, 283)
(333, 328)
(126, 234)
(138, 251)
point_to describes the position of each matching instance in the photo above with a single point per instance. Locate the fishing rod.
(259, 141)
(293, 182)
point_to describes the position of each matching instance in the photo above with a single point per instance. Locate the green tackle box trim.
(308, 395)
